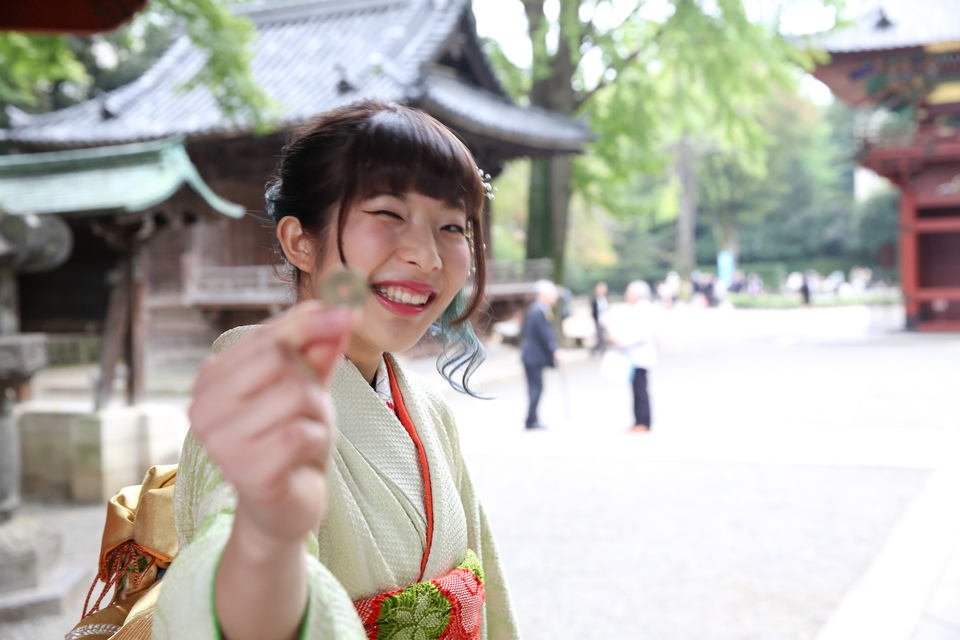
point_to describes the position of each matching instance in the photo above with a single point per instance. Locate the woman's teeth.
(402, 295)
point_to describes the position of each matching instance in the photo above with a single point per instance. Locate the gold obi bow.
(139, 543)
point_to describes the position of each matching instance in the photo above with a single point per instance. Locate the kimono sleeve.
(204, 506)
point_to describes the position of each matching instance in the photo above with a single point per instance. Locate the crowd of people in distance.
(629, 331)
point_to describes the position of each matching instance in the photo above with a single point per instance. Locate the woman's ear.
(297, 246)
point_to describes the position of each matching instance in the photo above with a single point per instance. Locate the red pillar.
(909, 257)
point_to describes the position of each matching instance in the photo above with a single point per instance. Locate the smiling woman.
(321, 492)
(410, 173)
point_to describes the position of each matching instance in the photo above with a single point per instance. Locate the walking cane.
(564, 389)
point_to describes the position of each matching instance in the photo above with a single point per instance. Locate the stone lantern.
(27, 244)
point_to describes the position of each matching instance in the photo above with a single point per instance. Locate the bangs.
(400, 151)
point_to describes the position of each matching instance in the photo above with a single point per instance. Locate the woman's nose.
(419, 246)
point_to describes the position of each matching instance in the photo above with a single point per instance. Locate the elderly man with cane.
(538, 347)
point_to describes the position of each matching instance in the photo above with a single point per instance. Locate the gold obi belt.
(139, 542)
(445, 608)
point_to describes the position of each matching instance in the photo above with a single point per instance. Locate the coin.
(344, 287)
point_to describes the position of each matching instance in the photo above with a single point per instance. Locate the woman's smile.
(404, 297)
(416, 255)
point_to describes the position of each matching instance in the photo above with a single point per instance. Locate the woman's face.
(416, 256)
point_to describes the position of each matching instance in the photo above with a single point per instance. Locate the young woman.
(322, 492)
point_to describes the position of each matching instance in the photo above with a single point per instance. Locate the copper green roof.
(103, 181)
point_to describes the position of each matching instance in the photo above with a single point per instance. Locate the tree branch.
(617, 66)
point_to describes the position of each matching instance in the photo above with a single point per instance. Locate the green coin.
(344, 287)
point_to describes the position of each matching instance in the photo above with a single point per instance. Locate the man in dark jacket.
(538, 347)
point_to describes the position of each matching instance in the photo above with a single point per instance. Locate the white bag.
(616, 366)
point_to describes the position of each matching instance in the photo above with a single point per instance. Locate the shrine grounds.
(801, 482)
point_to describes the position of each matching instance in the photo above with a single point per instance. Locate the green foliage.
(801, 187)
(29, 61)
(37, 72)
(793, 300)
(878, 217)
(514, 79)
(227, 39)
(643, 74)
(773, 274)
(510, 211)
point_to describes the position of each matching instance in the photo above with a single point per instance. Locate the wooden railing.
(254, 285)
(243, 286)
(506, 278)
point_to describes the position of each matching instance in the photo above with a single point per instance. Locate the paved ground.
(801, 482)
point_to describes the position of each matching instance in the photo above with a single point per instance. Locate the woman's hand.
(263, 413)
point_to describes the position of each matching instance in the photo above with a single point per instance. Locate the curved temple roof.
(105, 181)
(311, 56)
(895, 24)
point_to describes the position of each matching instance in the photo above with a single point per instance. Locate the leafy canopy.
(31, 64)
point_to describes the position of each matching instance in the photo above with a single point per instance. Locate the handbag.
(616, 366)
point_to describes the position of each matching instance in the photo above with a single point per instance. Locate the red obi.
(445, 608)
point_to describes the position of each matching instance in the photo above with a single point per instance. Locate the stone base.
(89, 456)
(27, 552)
(59, 588)
(32, 581)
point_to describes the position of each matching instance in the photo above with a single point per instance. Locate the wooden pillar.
(137, 332)
(115, 330)
(909, 255)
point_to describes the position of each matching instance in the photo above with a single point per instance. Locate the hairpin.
(488, 189)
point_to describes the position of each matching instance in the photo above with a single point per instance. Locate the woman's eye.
(457, 228)
(384, 212)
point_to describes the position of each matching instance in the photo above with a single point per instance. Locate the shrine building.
(899, 65)
(202, 260)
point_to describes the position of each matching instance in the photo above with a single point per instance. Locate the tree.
(800, 180)
(696, 64)
(35, 69)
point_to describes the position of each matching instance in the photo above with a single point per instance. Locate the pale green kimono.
(374, 534)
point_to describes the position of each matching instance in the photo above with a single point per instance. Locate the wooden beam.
(929, 294)
(939, 325)
(937, 225)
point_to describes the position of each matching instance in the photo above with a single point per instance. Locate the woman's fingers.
(262, 356)
(286, 496)
(304, 344)
(290, 398)
(277, 452)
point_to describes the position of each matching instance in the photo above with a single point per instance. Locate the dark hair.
(354, 151)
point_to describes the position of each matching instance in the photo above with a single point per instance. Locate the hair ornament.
(272, 195)
(488, 189)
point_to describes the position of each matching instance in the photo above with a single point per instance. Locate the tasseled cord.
(128, 551)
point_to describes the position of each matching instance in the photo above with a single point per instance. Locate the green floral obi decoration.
(445, 608)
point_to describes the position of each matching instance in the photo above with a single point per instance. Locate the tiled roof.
(471, 108)
(104, 181)
(310, 56)
(895, 24)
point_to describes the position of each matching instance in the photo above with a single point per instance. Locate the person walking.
(599, 306)
(538, 346)
(634, 332)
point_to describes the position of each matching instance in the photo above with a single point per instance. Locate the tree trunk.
(540, 214)
(552, 89)
(685, 259)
